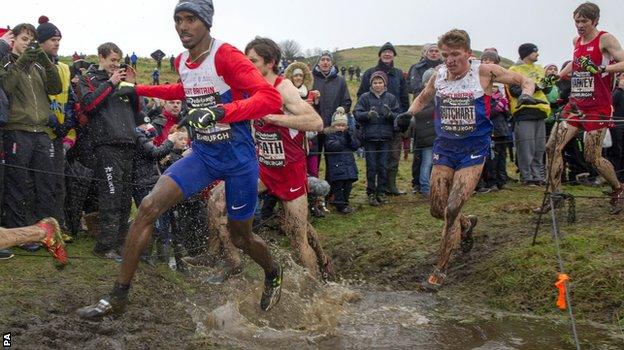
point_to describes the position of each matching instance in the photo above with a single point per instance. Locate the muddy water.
(351, 316)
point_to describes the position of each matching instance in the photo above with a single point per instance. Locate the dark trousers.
(77, 186)
(28, 194)
(416, 168)
(114, 174)
(59, 181)
(189, 226)
(615, 154)
(376, 153)
(497, 167)
(341, 189)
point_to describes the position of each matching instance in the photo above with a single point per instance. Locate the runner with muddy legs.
(280, 139)
(590, 106)
(462, 89)
(215, 78)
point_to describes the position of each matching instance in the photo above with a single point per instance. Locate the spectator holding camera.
(376, 112)
(28, 76)
(112, 119)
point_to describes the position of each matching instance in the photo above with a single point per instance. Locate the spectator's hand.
(29, 56)
(372, 114)
(118, 76)
(386, 111)
(202, 118)
(8, 37)
(41, 57)
(172, 137)
(316, 96)
(529, 100)
(403, 121)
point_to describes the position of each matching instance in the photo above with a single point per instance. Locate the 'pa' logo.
(6, 340)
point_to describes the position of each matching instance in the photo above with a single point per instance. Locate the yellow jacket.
(58, 102)
(536, 73)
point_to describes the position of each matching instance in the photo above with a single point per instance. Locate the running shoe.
(224, 273)
(104, 307)
(272, 290)
(467, 241)
(617, 200)
(6, 254)
(53, 240)
(434, 282)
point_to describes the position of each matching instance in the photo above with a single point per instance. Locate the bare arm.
(566, 71)
(303, 117)
(425, 96)
(499, 74)
(612, 46)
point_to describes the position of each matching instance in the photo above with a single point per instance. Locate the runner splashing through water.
(462, 89)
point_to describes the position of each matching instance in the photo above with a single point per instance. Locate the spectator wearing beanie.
(529, 125)
(62, 119)
(431, 58)
(28, 76)
(341, 168)
(376, 112)
(396, 85)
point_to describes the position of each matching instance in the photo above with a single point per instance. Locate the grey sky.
(143, 26)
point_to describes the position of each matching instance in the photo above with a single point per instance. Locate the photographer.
(27, 77)
(111, 124)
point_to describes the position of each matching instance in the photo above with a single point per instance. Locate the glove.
(56, 127)
(202, 118)
(372, 114)
(42, 58)
(403, 121)
(125, 89)
(588, 65)
(528, 100)
(386, 111)
(29, 56)
(547, 82)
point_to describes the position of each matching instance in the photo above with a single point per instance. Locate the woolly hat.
(339, 117)
(326, 53)
(428, 47)
(46, 30)
(526, 49)
(387, 46)
(427, 75)
(203, 9)
(379, 74)
(490, 55)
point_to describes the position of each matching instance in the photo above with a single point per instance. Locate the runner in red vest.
(590, 106)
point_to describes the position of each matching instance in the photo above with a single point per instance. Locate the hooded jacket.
(340, 161)
(380, 128)
(334, 94)
(146, 172)
(415, 73)
(112, 119)
(396, 83)
(27, 88)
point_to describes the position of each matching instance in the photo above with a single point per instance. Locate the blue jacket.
(341, 166)
(396, 84)
(382, 127)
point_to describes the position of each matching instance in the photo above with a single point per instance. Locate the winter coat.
(396, 84)
(415, 73)
(341, 166)
(334, 94)
(424, 127)
(380, 128)
(146, 158)
(27, 88)
(499, 114)
(112, 118)
(618, 105)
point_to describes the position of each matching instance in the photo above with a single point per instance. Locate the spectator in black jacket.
(112, 120)
(145, 170)
(376, 112)
(342, 170)
(616, 151)
(397, 86)
(332, 93)
(430, 59)
(424, 135)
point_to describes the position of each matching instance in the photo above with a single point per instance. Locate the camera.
(33, 45)
(123, 66)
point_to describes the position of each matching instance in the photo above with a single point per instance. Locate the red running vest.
(590, 91)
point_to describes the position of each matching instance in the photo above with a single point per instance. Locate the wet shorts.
(461, 153)
(286, 183)
(593, 119)
(192, 175)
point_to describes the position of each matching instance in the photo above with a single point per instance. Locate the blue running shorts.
(461, 153)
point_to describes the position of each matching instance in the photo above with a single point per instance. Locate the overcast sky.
(146, 25)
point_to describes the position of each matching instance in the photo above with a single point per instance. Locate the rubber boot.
(391, 188)
(178, 253)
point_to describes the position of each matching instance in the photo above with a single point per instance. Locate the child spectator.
(376, 112)
(341, 168)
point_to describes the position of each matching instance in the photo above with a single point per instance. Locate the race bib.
(270, 149)
(582, 85)
(457, 114)
(221, 132)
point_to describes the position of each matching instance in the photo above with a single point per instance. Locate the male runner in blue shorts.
(215, 79)
(462, 90)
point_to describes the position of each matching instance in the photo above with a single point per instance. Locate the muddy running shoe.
(467, 240)
(434, 282)
(67, 238)
(327, 271)
(6, 254)
(272, 290)
(617, 200)
(114, 304)
(53, 241)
